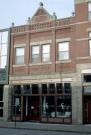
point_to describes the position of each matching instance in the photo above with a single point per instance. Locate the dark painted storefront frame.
(47, 119)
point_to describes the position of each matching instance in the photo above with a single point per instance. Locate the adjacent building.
(4, 71)
(50, 68)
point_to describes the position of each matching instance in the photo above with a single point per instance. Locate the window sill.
(37, 64)
(63, 61)
(21, 65)
(82, 58)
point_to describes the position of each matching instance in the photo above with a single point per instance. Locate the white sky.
(18, 11)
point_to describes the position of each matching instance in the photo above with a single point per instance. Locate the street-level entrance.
(87, 109)
(31, 108)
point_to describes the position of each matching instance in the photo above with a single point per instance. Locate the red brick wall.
(79, 47)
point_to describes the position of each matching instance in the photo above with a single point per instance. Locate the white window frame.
(17, 56)
(63, 49)
(33, 54)
(89, 10)
(45, 53)
(90, 47)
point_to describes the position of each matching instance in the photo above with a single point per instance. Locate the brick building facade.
(50, 68)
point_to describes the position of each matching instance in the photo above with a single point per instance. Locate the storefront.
(48, 102)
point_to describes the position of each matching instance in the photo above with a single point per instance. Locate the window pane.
(87, 78)
(4, 37)
(35, 49)
(35, 54)
(89, 34)
(64, 46)
(45, 48)
(89, 15)
(17, 89)
(1, 93)
(67, 87)
(26, 89)
(3, 61)
(44, 88)
(89, 6)
(35, 58)
(19, 60)
(19, 51)
(89, 11)
(52, 88)
(35, 89)
(46, 57)
(90, 46)
(48, 106)
(1, 109)
(63, 55)
(4, 49)
(59, 87)
(64, 106)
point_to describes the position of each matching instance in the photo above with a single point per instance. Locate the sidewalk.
(50, 127)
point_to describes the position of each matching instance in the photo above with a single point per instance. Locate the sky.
(18, 11)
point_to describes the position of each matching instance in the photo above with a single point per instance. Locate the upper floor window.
(3, 48)
(63, 51)
(45, 53)
(89, 34)
(35, 54)
(19, 58)
(89, 10)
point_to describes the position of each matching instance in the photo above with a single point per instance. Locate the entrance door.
(34, 108)
(31, 108)
(89, 112)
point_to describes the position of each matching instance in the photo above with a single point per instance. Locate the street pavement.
(8, 131)
(40, 127)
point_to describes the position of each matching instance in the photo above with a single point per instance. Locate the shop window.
(1, 108)
(63, 106)
(44, 88)
(19, 57)
(17, 89)
(87, 89)
(52, 88)
(67, 87)
(1, 101)
(26, 89)
(59, 87)
(48, 106)
(87, 78)
(35, 89)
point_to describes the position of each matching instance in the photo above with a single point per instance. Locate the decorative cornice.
(81, 1)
